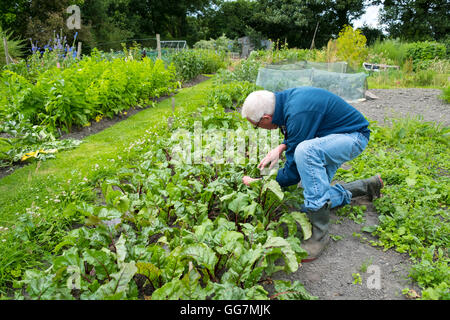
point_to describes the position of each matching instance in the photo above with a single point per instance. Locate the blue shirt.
(306, 113)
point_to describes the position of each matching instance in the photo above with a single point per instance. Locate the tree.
(296, 20)
(416, 19)
(13, 15)
(372, 34)
(351, 47)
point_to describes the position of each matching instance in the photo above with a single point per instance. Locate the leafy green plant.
(432, 272)
(173, 230)
(16, 47)
(425, 50)
(246, 70)
(231, 94)
(351, 46)
(157, 227)
(356, 278)
(63, 98)
(355, 213)
(191, 63)
(446, 94)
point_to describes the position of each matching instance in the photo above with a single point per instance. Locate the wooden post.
(158, 45)
(5, 45)
(313, 45)
(79, 50)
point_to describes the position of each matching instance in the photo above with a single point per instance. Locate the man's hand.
(272, 157)
(247, 180)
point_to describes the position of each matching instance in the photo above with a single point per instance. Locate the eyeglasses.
(256, 125)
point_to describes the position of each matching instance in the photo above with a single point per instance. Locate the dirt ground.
(330, 277)
(401, 103)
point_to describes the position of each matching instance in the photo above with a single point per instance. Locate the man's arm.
(272, 157)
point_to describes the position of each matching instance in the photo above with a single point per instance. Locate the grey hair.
(257, 104)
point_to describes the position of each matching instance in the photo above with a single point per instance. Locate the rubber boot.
(370, 187)
(320, 238)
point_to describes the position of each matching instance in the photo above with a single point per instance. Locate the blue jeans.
(317, 161)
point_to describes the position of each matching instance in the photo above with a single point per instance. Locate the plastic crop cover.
(349, 86)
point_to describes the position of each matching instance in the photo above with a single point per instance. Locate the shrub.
(246, 70)
(351, 46)
(221, 44)
(231, 95)
(191, 63)
(425, 50)
(392, 51)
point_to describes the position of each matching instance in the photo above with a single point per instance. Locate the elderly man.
(321, 132)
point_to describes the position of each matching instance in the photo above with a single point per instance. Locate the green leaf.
(118, 286)
(288, 254)
(40, 285)
(250, 209)
(122, 203)
(369, 229)
(302, 219)
(174, 265)
(191, 288)
(241, 268)
(203, 255)
(411, 182)
(228, 291)
(239, 203)
(231, 241)
(285, 290)
(121, 250)
(112, 195)
(273, 186)
(102, 261)
(149, 270)
(170, 291)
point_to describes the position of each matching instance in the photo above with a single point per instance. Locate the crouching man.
(321, 132)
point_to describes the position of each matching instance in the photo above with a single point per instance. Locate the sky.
(370, 17)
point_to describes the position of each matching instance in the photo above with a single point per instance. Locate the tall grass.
(433, 74)
(445, 94)
(393, 50)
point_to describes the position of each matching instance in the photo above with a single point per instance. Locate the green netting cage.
(329, 76)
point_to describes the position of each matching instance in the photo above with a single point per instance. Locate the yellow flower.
(98, 118)
(30, 155)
